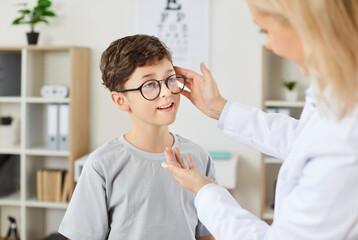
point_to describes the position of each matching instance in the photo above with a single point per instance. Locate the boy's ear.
(120, 101)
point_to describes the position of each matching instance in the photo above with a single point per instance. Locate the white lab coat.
(317, 187)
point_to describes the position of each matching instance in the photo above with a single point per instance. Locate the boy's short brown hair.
(123, 56)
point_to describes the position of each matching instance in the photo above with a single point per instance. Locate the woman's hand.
(189, 178)
(204, 92)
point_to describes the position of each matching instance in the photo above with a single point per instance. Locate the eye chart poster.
(183, 25)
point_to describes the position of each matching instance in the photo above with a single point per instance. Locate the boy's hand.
(189, 178)
(204, 92)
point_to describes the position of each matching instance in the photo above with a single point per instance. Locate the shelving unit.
(275, 71)
(44, 65)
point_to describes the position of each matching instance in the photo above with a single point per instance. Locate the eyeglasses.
(150, 89)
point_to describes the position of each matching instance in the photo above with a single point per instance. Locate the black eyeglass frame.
(160, 86)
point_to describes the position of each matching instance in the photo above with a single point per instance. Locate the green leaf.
(18, 20)
(43, 4)
(49, 14)
(35, 21)
(24, 11)
(44, 20)
(290, 85)
(38, 14)
(43, 1)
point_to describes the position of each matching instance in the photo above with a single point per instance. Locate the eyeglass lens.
(151, 89)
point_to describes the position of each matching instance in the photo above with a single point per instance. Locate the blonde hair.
(329, 32)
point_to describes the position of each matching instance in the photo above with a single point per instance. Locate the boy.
(123, 192)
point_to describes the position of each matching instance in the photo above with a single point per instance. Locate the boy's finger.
(179, 158)
(190, 162)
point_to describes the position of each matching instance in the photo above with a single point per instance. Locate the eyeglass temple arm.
(127, 90)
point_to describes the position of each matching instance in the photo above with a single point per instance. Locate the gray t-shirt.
(125, 193)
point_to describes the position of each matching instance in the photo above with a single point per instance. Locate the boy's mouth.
(167, 106)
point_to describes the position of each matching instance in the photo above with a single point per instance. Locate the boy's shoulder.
(185, 143)
(112, 150)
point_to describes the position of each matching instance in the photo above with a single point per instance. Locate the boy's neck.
(150, 139)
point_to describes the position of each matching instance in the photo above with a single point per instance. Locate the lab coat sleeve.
(270, 133)
(224, 217)
(323, 205)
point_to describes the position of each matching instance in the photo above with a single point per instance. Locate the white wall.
(235, 61)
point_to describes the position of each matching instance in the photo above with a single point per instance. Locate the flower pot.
(32, 37)
(291, 96)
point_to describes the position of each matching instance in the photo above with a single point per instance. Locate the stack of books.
(52, 185)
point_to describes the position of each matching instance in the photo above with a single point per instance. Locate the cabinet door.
(10, 73)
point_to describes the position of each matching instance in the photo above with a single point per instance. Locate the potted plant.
(291, 93)
(32, 16)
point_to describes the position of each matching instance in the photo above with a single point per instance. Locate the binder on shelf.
(39, 185)
(64, 128)
(46, 183)
(52, 126)
(51, 185)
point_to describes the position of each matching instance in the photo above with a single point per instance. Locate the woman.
(317, 188)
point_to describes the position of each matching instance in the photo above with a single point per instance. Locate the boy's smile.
(167, 107)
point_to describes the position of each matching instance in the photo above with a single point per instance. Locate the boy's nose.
(164, 89)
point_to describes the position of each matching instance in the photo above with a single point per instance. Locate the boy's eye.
(172, 80)
(149, 85)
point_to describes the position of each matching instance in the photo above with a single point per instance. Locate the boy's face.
(158, 112)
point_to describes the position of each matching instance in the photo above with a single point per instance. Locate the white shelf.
(270, 160)
(276, 70)
(42, 151)
(280, 103)
(47, 100)
(44, 65)
(46, 204)
(11, 200)
(10, 150)
(10, 99)
(268, 213)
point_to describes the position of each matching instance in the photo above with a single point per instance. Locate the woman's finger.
(169, 155)
(204, 69)
(190, 162)
(188, 84)
(179, 158)
(186, 72)
(186, 94)
(175, 170)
